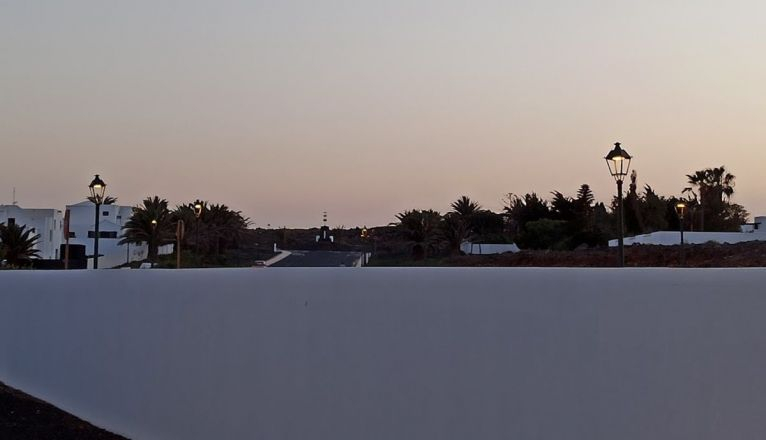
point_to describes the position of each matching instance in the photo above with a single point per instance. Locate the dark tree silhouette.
(150, 223)
(713, 188)
(17, 244)
(420, 228)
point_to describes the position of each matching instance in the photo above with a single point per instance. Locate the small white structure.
(469, 248)
(48, 223)
(112, 219)
(750, 232)
(758, 225)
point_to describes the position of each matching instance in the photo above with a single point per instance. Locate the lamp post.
(680, 208)
(365, 235)
(180, 231)
(618, 161)
(97, 189)
(154, 235)
(198, 206)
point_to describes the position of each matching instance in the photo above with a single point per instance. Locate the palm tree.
(108, 200)
(151, 223)
(465, 207)
(454, 231)
(17, 244)
(458, 224)
(420, 227)
(715, 186)
(223, 227)
(186, 214)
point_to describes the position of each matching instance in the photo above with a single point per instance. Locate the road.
(319, 259)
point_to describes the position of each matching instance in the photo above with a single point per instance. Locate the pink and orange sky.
(365, 109)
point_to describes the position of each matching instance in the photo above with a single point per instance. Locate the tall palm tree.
(714, 186)
(465, 207)
(421, 229)
(17, 244)
(224, 227)
(454, 231)
(458, 224)
(151, 223)
(186, 214)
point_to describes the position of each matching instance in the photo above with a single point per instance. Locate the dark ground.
(23, 417)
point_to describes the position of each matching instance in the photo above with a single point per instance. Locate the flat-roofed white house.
(112, 219)
(48, 223)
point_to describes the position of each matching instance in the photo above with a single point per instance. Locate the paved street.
(319, 259)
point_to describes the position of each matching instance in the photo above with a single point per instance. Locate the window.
(72, 235)
(50, 235)
(105, 213)
(11, 221)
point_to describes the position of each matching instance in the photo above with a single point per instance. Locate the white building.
(750, 232)
(112, 219)
(48, 223)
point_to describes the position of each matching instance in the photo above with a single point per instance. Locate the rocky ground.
(23, 417)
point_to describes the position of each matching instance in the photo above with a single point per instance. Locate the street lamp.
(680, 209)
(618, 161)
(198, 207)
(153, 237)
(365, 235)
(97, 189)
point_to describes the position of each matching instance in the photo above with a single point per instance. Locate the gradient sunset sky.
(284, 109)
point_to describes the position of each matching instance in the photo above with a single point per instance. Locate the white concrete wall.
(674, 237)
(487, 248)
(376, 353)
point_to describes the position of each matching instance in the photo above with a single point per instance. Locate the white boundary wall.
(668, 238)
(376, 353)
(487, 249)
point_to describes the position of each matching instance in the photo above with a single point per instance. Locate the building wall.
(48, 223)
(394, 353)
(112, 219)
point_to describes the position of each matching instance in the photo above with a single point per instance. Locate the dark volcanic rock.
(23, 417)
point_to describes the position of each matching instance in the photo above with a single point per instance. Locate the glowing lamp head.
(618, 161)
(97, 189)
(680, 209)
(198, 209)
